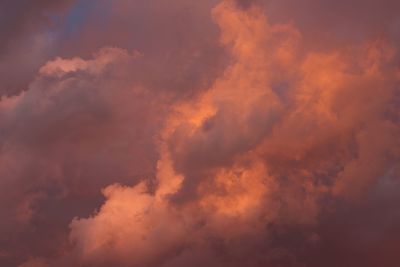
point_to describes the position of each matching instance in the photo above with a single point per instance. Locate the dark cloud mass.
(256, 133)
(24, 43)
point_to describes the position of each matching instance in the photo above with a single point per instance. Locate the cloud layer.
(218, 133)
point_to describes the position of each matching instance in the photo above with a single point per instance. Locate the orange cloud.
(246, 153)
(272, 161)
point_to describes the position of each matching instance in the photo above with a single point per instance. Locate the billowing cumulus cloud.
(239, 138)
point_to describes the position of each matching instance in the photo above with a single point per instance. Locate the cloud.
(20, 18)
(34, 263)
(226, 139)
(251, 154)
(67, 137)
(26, 40)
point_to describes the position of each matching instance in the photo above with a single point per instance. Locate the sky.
(240, 133)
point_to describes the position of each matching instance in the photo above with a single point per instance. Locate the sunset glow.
(212, 133)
